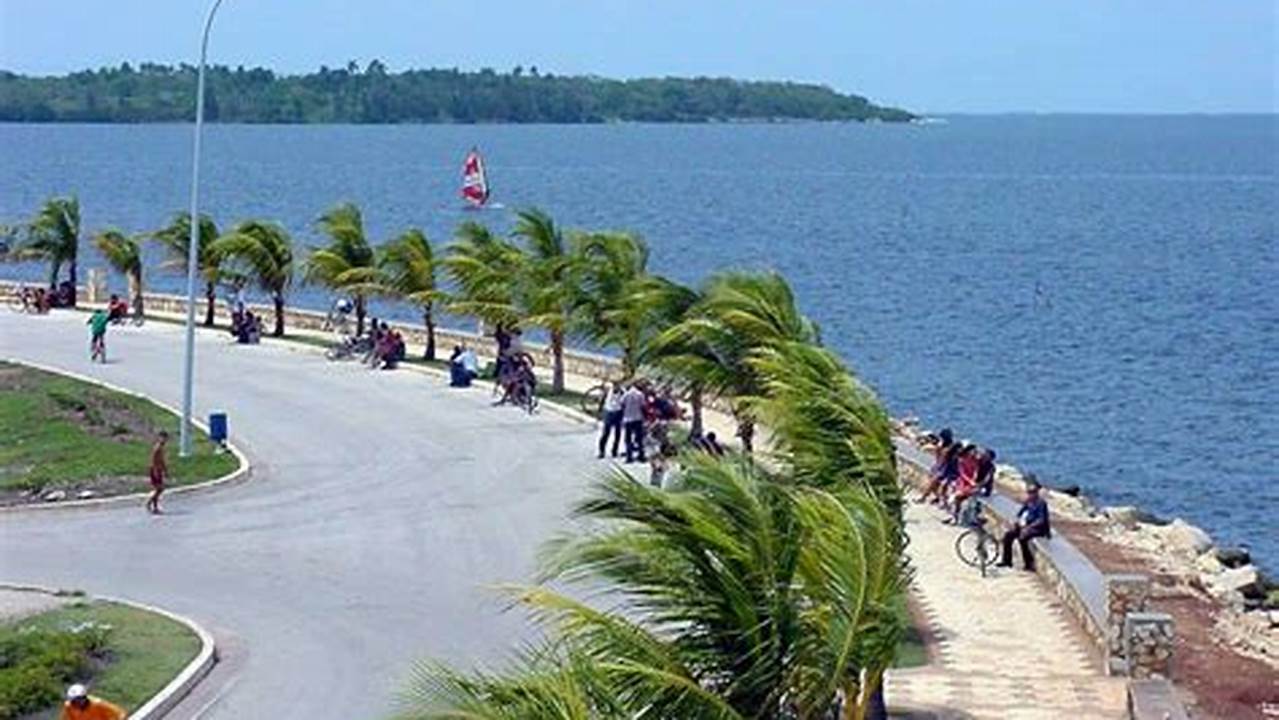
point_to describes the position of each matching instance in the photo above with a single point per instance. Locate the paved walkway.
(381, 507)
(1007, 650)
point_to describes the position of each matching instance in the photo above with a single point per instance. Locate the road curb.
(296, 345)
(563, 410)
(171, 694)
(240, 474)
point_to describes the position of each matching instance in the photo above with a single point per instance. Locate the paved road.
(382, 508)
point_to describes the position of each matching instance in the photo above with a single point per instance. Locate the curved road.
(383, 507)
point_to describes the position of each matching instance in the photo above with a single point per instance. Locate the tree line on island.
(767, 583)
(163, 93)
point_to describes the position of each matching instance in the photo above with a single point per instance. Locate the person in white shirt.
(612, 418)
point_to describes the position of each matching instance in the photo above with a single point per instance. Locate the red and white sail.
(475, 184)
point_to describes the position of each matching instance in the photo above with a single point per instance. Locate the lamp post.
(193, 247)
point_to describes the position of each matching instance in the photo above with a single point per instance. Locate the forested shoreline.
(152, 92)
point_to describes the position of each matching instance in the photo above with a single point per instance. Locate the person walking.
(82, 706)
(633, 423)
(159, 472)
(98, 323)
(612, 418)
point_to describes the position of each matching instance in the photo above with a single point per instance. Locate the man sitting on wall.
(1032, 522)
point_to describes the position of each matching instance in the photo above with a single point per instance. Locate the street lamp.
(193, 247)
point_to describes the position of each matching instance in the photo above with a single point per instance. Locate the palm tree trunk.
(746, 431)
(210, 303)
(135, 289)
(557, 365)
(360, 311)
(429, 318)
(278, 299)
(54, 267)
(72, 268)
(695, 399)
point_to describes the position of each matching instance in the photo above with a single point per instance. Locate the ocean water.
(1094, 297)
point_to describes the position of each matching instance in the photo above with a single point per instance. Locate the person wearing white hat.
(82, 706)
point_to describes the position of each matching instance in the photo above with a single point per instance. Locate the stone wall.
(1112, 610)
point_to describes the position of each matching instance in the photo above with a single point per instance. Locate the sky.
(1129, 56)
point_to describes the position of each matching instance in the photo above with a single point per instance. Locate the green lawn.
(123, 654)
(61, 433)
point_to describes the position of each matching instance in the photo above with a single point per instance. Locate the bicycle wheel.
(975, 548)
(593, 401)
(16, 302)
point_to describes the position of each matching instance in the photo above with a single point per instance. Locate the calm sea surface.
(1095, 297)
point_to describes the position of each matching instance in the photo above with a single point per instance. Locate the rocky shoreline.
(1186, 559)
(1226, 608)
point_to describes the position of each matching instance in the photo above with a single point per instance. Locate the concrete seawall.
(1111, 610)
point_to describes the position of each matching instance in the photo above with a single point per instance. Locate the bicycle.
(25, 300)
(349, 348)
(975, 546)
(592, 402)
(338, 319)
(516, 383)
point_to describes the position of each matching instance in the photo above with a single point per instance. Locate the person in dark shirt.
(1032, 522)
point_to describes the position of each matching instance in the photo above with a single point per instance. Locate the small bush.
(36, 665)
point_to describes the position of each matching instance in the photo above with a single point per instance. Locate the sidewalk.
(1006, 649)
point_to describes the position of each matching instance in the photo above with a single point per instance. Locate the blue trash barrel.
(217, 428)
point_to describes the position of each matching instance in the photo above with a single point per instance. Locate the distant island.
(162, 93)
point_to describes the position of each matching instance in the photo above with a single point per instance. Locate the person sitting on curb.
(1032, 522)
(117, 310)
(945, 468)
(965, 485)
(463, 367)
(82, 706)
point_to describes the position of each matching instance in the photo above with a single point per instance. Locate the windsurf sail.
(475, 183)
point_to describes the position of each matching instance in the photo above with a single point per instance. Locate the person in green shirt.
(98, 340)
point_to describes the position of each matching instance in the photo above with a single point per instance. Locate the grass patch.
(124, 654)
(61, 433)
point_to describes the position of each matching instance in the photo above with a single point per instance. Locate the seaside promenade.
(382, 507)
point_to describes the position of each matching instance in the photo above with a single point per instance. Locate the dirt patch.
(99, 487)
(1225, 684)
(102, 415)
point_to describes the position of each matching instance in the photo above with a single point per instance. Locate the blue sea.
(1093, 296)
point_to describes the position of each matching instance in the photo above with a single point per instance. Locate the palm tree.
(739, 314)
(484, 268)
(547, 290)
(263, 252)
(738, 594)
(826, 426)
(663, 304)
(176, 240)
(53, 235)
(123, 254)
(611, 270)
(407, 267)
(342, 265)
